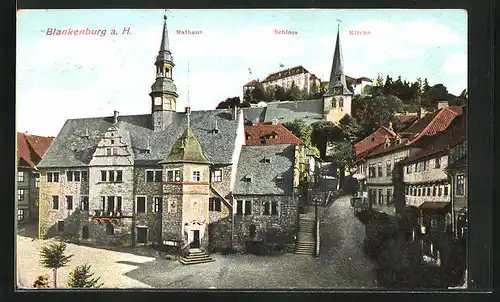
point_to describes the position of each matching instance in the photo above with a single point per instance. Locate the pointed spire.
(337, 84)
(164, 54)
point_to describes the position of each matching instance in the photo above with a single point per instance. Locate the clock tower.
(163, 91)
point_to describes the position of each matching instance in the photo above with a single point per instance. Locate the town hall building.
(176, 179)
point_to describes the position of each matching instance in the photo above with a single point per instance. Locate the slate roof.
(310, 111)
(264, 175)
(271, 134)
(72, 149)
(31, 148)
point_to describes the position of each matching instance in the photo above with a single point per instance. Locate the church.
(182, 180)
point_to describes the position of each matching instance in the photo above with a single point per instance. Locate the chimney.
(442, 104)
(216, 129)
(115, 117)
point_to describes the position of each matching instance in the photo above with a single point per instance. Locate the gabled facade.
(30, 150)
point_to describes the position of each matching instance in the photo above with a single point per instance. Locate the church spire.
(337, 84)
(164, 54)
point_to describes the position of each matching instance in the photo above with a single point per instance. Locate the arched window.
(85, 232)
(110, 230)
(341, 102)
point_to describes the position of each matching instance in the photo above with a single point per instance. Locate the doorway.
(142, 235)
(196, 239)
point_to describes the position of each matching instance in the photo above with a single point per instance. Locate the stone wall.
(285, 222)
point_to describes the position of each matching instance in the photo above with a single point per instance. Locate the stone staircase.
(305, 237)
(196, 256)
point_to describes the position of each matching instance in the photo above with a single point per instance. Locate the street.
(341, 263)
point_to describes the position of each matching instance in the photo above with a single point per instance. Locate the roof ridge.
(427, 127)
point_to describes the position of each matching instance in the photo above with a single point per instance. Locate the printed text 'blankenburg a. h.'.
(85, 32)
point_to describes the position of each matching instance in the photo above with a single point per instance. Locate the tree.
(375, 111)
(379, 81)
(461, 99)
(269, 93)
(41, 282)
(344, 156)
(81, 277)
(53, 257)
(247, 98)
(300, 129)
(229, 102)
(258, 93)
(280, 93)
(294, 93)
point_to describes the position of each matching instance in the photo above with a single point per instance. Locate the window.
(114, 151)
(153, 175)
(20, 215)
(408, 169)
(111, 204)
(157, 204)
(428, 191)
(110, 230)
(341, 102)
(111, 176)
(389, 196)
(37, 180)
(69, 202)
(84, 203)
(173, 175)
(380, 170)
(85, 176)
(103, 176)
(20, 176)
(108, 151)
(419, 192)
(371, 170)
(446, 190)
(433, 190)
(53, 177)
(424, 165)
(140, 205)
(437, 163)
(217, 175)
(274, 208)
(118, 203)
(103, 203)
(214, 204)
(69, 175)
(196, 176)
(239, 207)
(267, 160)
(380, 197)
(266, 208)
(460, 185)
(334, 103)
(112, 141)
(55, 202)
(60, 226)
(20, 194)
(406, 190)
(119, 176)
(388, 166)
(423, 191)
(440, 191)
(248, 207)
(76, 175)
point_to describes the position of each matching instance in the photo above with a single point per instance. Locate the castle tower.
(186, 189)
(338, 98)
(163, 91)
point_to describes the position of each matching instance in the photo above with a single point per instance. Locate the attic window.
(112, 134)
(267, 160)
(247, 179)
(279, 179)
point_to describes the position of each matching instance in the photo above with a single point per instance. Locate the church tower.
(163, 91)
(338, 98)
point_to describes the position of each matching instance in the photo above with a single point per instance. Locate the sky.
(64, 77)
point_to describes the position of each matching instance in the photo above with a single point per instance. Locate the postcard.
(241, 149)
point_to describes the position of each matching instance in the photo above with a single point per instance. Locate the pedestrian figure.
(41, 282)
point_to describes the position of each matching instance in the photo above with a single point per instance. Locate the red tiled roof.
(406, 119)
(440, 142)
(440, 122)
(373, 140)
(285, 73)
(31, 148)
(427, 126)
(271, 134)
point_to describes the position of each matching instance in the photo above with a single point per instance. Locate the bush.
(228, 251)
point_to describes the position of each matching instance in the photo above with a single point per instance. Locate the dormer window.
(112, 141)
(108, 151)
(267, 160)
(247, 178)
(279, 179)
